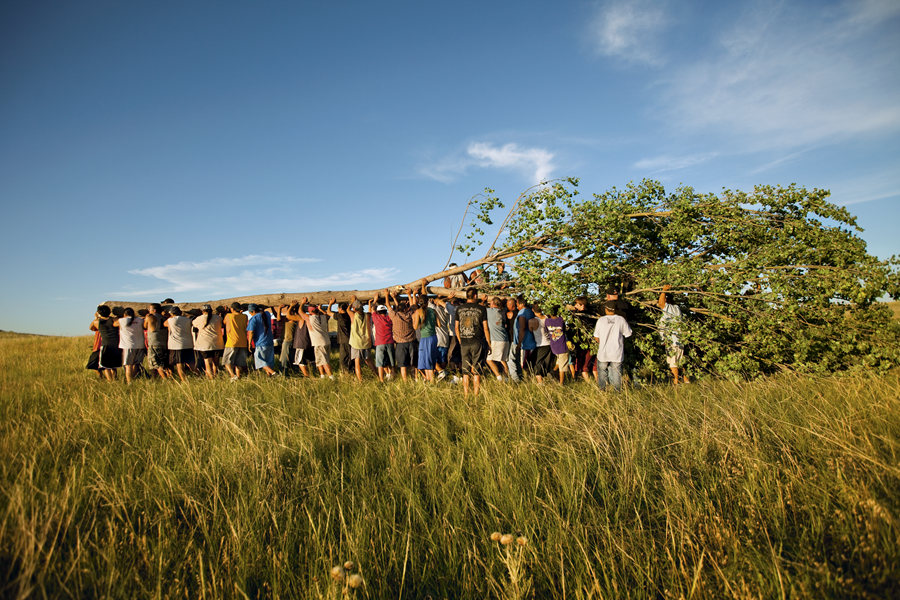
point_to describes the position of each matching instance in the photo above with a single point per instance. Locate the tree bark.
(322, 297)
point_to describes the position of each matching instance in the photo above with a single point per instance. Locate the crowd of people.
(458, 338)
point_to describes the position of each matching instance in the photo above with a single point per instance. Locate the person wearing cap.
(181, 343)
(236, 347)
(342, 318)
(460, 280)
(208, 341)
(609, 334)
(401, 314)
(384, 340)
(259, 331)
(131, 342)
(622, 306)
(360, 336)
(317, 323)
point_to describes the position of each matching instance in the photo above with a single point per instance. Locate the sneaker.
(275, 374)
(455, 379)
(442, 375)
(388, 377)
(499, 377)
(234, 378)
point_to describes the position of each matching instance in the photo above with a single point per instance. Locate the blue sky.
(204, 150)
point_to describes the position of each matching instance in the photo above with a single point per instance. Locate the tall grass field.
(779, 488)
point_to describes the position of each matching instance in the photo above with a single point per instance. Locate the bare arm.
(662, 296)
(487, 331)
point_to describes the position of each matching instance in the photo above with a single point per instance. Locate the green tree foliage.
(775, 279)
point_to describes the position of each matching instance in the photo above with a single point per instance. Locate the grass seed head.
(349, 565)
(355, 581)
(507, 539)
(495, 537)
(337, 573)
(521, 540)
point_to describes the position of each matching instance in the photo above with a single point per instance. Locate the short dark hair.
(176, 311)
(343, 306)
(129, 312)
(581, 300)
(103, 310)
(236, 305)
(471, 293)
(156, 306)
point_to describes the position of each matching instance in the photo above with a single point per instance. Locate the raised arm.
(662, 296)
(328, 310)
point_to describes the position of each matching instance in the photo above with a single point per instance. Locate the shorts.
(585, 361)
(264, 356)
(304, 356)
(562, 361)
(427, 353)
(133, 356)
(471, 358)
(110, 357)
(384, 356)
(235, 357)
(541, 361)
(404, 354)
(322, 358)
(499, 352)
(674, 356)
(208, 354)
(181, 357)
(158, 357)
(442, 355)
(357, 353)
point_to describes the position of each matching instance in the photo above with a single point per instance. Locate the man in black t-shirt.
(343, 334)
(472, 333)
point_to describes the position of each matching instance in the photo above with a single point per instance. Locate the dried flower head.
(521, 540)
(349, 565)
(507, 539)
(337, 573)
(355, 581)
(495, 537)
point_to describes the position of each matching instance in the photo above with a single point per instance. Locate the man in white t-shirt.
(668, 331)
(610, 334)
(131, 342)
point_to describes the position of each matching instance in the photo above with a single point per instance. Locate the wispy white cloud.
(535, 163)
(782, 77)
(659, 164)
(248, 274)
(629, 30)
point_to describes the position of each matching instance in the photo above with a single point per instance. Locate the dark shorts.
(181, 357)
(110, 358)
(471, 357)
(406, 354)
(158, 357)
(209, 354)
(541, 361)
(586, 361)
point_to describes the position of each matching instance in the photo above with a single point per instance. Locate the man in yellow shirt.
(236, 348)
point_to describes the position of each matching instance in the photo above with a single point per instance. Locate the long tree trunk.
(323, 297)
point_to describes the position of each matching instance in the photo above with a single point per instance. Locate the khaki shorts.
(674, 356)
(562, 361)
(235, 357)
(133, 356)
(322, 359)
(499, 352)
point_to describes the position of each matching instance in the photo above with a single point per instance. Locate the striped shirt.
(403, 327)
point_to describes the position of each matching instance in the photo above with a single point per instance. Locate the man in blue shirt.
(523, 337)
(259, 331)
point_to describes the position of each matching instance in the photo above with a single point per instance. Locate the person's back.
(209, 333)
(384, 327)
(157, 335)
(260, 327)
(611, 331)
(180, 337)
(429, 324)
(498, 324)
(359, 331)
(470, 317)
(555, 331)
(131, 333)
(109, 335)
(318, 331)
(527, 340)
(236, 327)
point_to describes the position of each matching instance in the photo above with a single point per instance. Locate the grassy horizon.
(782, 487)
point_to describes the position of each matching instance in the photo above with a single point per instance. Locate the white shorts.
(321, 356)
(674, 355)
(499, 352)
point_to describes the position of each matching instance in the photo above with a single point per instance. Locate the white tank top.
(131, 337)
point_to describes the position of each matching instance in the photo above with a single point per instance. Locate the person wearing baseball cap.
(259, 331)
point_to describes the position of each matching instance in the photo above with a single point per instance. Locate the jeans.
(612, 370)
(514, 362)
